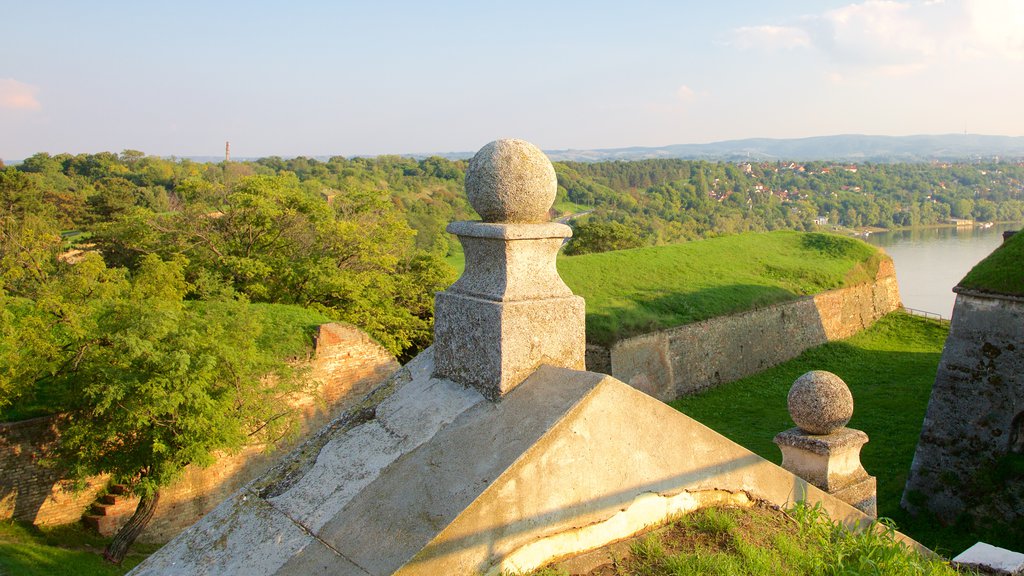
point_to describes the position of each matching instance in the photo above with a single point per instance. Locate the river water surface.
(931, 261)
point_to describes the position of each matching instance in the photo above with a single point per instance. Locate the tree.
(595, 236)
(156, 384)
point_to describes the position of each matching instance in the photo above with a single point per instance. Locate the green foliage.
(272, 242)
(149, 385)
(590, 237)
(631, 292)
(1002, 271)
(874, 550)
(729, 541)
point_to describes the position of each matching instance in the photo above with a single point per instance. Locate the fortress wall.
(347, 364)
(973, 429)
(686, 359)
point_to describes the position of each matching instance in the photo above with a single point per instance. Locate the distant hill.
(847, 147)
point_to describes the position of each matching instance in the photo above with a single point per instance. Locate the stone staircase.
(110, 511)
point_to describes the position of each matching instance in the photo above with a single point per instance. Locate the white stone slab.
(351, 461)
(992, 558)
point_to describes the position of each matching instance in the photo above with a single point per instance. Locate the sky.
(390, 77)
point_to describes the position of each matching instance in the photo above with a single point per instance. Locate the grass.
(761, 541)
(1002, 271)
(28, 550)
(630, 292)
(567, 207)
(890, 369)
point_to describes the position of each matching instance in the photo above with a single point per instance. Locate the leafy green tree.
(596, 236)
(152, 384)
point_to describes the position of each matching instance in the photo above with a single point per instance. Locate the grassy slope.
(631, 292)
(890, 369)
(60, 550)
(1002, 271)
(759, 541)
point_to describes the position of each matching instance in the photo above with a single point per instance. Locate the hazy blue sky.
(314, 78)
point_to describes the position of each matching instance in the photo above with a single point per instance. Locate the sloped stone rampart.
(347, 364)
(973, 430)
(686, 359)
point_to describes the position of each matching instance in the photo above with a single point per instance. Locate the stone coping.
(477, 229)
(985, 294)
(841, 439)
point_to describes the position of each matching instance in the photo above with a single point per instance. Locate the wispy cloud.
(685, 94)
(16, 95)
(759, 37)
(900, 37)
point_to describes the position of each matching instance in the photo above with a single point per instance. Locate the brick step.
(109, 499)
(118, 489)
(103, 525)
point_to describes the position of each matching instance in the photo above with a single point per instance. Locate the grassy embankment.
(759, 541)
(632, 292)
(1002, 271)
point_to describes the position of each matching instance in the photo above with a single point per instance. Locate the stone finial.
(821, 450)
(510, 311)
(820, 402)
(511, 181)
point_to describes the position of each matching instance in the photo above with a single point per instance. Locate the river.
(931, 261)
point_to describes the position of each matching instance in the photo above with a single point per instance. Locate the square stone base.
(493, 346)
(862, 495)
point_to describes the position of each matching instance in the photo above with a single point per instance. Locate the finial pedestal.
(510, 312)
(821, 450)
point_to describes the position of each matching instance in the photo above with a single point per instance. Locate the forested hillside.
(667, 201)
(362, 240)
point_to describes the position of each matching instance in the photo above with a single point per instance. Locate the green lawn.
(890, 369)
(60, 550)
(630, 292)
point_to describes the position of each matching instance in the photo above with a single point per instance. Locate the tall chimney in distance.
(227, 151)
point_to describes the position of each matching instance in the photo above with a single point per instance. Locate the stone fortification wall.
(347, 364)
(973, 431)
(686, 359)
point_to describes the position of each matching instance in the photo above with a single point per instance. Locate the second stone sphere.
(820, 402)
(511, 181)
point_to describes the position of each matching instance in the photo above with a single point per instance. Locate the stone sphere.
(511, 181)
(820, 402)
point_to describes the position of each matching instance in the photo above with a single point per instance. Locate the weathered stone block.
(493, 346)
(832, 463)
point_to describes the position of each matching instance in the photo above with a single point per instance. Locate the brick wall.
(347, 364)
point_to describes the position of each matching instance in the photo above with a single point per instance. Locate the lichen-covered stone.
(820, 402)
(511, 181)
